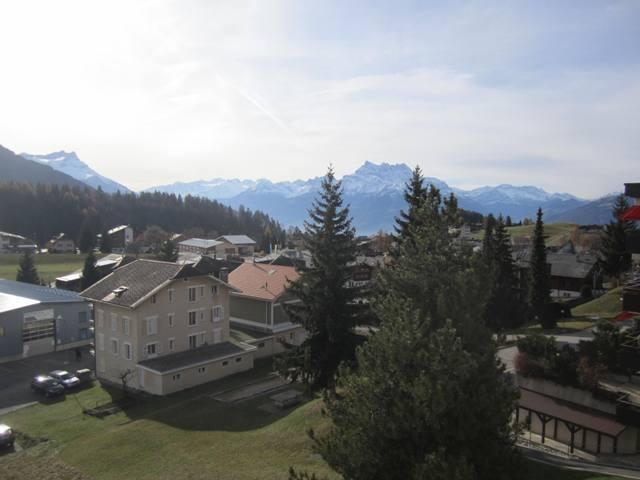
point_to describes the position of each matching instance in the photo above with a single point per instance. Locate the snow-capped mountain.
(374, 193)
(69, 163)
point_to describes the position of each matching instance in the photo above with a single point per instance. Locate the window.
(201, 291)
(154, 298)
(126, 325)
(114, 322)
(83, 333)
(201, 315)
(193, 341)
(126, 350)
(292, 336)
(152, 325)
(177, 376)
(192, 294)
(217, 313)
(202, 369)
(192, 319)
(171, 294)
(225, 363)
(82, 317)
(214, 290)
(114, 346)
(261, 345)
(151, 349)
(100, 341)
(238, 360)
(100, 318)
(171, 317)
(172, 344)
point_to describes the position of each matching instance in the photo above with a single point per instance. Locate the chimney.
(223, 274)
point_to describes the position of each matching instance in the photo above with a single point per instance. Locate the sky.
(543, 93)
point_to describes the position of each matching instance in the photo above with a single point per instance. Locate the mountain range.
(373, 191)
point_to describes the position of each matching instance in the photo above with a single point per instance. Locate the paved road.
(15, 377)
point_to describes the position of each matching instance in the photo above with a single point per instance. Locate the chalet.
(10, 242)
(235, 246)
(200, 246)
(120, 237)
(104, 265)
(162, 327)
(570, 272)
(257, 313)
(35, 320)
(61, 243)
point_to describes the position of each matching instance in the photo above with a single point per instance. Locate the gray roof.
(180, 360)
(140, 278)
(571, 265)
(117, 229)
(14, 295)
(200, 243)
(237, 239)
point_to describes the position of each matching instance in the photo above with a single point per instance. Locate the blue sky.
(151, 92)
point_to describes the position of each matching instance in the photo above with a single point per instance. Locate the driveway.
(16, 376)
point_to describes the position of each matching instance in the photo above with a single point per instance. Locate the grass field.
(187, 435)
(606, 306)
(49, 266)
(556, 233)
(564, 326)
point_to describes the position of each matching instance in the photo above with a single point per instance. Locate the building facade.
(35, 320)
(61, 243)
(162, 327)
(235, 246)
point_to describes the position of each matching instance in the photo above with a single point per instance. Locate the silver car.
(7, 437)
(65, 378)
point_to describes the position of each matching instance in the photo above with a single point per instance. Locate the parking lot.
(16, 376)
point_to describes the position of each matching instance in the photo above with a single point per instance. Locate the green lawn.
(556, 233)
(564, 326)
(49, 266)
(186, 435)
(606, 306)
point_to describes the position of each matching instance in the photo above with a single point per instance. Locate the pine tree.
(90, 274)
(508, 222)
(539, 285)
(328, 309)
(414, 194)
(504, 308)
(169, 251)
(488, 241)
(87, 240)
(27, 271)
(105, 242)
(614, 257)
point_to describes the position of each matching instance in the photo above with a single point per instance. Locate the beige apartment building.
(164, 327)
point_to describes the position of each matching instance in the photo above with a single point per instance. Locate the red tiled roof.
(632, 213)
(562, 410)
(266, 282)
(625, 315)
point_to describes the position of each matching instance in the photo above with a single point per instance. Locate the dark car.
(85, 375)
(48, 386)
(65, 378)
(7, 437)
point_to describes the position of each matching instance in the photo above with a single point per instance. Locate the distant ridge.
(17, 169)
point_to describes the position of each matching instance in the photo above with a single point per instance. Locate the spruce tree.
(540, 282)
(169, 251)
(87, 240)
(27, 271)
(328, 309)
(414, 194)
(90, 274)
(614, 257)
(488, 241)
(105, 242)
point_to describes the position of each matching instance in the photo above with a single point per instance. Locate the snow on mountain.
(69, 163)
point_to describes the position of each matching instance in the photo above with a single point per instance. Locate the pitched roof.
(117, 229)
(237, 239)
(139, 278)
(187, 358)
(14, 295)
(266, 282)
(200, 243)
(571, 265)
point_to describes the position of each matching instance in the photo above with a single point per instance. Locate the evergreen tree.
(105, 242)
(27, 271)
(540, 282)
(488, 241)
(87, 240)
(504, 308)
(614, 257)
(414, 194)
(169, 251)
(328, 309)
(508, 222)
(90, 274)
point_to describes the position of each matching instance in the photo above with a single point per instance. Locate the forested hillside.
(41, 211)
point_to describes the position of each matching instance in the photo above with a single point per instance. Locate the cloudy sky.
(152, 92)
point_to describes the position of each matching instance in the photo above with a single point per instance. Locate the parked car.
(7, 437)
(65, 378)
(50, 387)
(85, 375)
